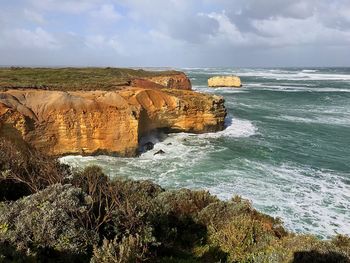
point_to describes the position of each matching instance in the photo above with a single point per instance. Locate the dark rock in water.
(169, 143)
(148, 146)
(159, 152)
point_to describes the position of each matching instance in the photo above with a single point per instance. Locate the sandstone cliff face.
(110, 122)
(176, 81)
(225, 81)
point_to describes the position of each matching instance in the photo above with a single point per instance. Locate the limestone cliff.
(111, 122)
(175, 81)
(225, 81)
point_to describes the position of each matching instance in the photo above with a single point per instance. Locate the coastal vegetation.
(72, 79)
(52, 213)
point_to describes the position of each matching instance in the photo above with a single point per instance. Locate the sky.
(175, 33)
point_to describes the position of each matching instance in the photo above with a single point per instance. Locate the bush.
(221, 213)
(129, 250)
(184, 202)
(243, 238)
(117, 207)
(47, 222)
(25, 171)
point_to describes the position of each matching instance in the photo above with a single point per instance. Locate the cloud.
(175, 32)
(196, 28)
(34, 16)
(98, 42)
(66, 6)
(179, 19)
(303, 32)
(228, 31)
(28, 39)
(106, 13)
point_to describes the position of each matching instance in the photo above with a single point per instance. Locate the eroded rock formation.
(110, 122)
(225, 81)
(176, 81)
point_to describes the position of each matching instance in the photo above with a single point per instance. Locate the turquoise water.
(286, 147)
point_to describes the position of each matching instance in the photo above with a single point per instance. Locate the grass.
(72, 79)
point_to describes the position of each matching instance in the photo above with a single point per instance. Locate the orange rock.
(110, 122)
(225, 81)
(178, 81)
(145, 83)
(173, 81)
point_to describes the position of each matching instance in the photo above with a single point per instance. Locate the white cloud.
(288, 31)
(66, 6)
(24, 38)
(174, 32)
(106, 13)
(227, 30)
(34, 16)
(100, 42)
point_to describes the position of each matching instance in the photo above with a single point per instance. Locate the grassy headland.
(72, 79)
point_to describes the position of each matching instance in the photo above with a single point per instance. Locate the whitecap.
(296, 76)
(222, 90)
(294, 88)
(323, 119)
(235, 128)
(308, 200)
(309, 70)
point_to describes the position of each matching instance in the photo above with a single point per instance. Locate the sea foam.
(235, 128)
(308, 200)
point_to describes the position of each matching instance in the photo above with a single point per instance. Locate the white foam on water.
(222, 90)
(253, 84)
(235, 128)
(295, 75)
(323, 119)
(308, 200)
(293, 88)
(305, 89)
(309, 70)
(182, 151)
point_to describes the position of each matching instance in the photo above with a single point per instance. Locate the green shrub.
(47, 221)
(243, 238)
(221, 213)
(129, 250)
(184, 202)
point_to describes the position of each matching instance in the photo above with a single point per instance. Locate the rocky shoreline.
(108, 122)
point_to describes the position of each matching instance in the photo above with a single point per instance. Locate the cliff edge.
(107, 122)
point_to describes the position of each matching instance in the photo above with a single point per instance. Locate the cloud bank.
(178, 33)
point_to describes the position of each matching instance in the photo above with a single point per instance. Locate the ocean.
(286, 147)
